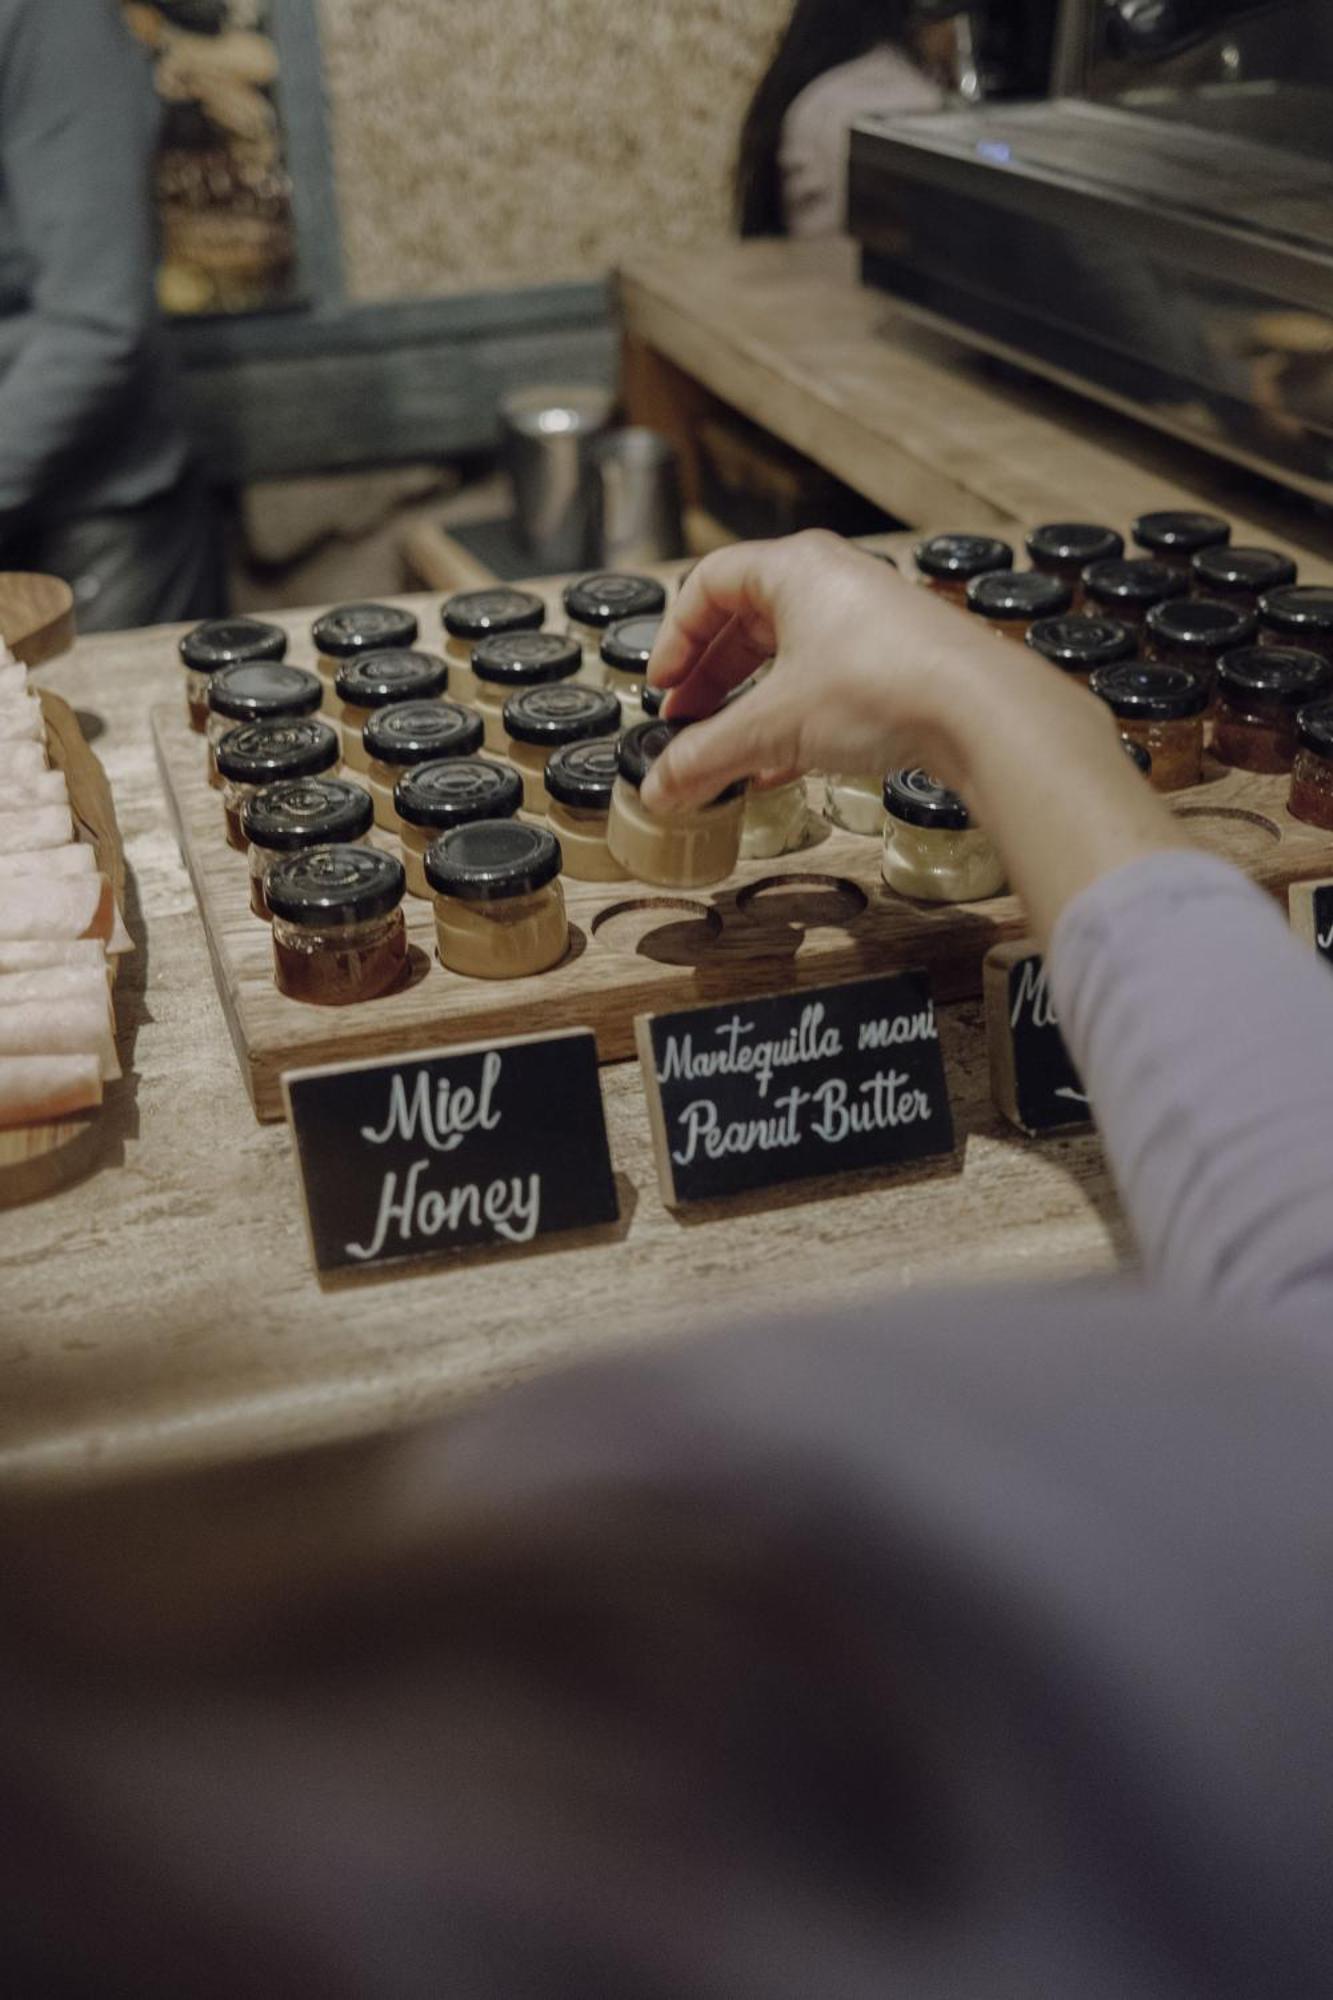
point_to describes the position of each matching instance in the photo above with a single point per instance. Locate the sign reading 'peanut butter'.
(417, 1155)
(828, 1081)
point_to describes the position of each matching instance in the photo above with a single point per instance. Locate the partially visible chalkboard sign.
(1311, 907)
(836, 1078)
(1033, 1081)
(414, 1155)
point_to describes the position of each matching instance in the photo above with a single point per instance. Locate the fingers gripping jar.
(435, 798)
(579, 780)
(352, 629)
(1078, 645)
(595, 603)
(506, 665)
(1260, 690)
(338, 930)
(297, 814)
(541, 720)
(378, 680)
(410, 733)
(1311, 795)
(1011, 600)
(685, 850)
(255, 754)
(1162, 708)
(948, 563)
(932, 850)
(626, 651)
(223, 642)
(470, 616)
(257, 691)
(499, 908)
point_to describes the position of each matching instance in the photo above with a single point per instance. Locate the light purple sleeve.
(1203, 1029)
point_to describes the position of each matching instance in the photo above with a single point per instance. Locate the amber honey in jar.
(932, 849)
(379, 680)
(338, 930)
(297, 814)
(1162, 708)
(1241, 575)
(219, 643)
(948, 563)
(1128, 588)
(499, 907)
(680, 851)
(255, 754)
(1065, 548)
(1196, 631)
(579, 780)
(1176, 535)
(1298, 614)
(626, 651)
(470, 616)
(352, 629)
(400, 738)
(434, 798)
(513, 662)
(1080, 643)
(1259, 692)
(1011, 600)
(540, 720)
(257, 691)
(1311, 795)
(595, 603)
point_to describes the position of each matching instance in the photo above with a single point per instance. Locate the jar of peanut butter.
(499, 907)
(682, 851)
(406, 735)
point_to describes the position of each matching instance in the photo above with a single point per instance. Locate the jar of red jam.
(255, 754)
(378, 680)
(1298, 614)
(540, 720)
(1127, 589)
(223, 642)
(595, 603)
(401, 738)
(1176, 535)
(1259, 691)
(338, 930)
(513, 661)
(352, 629)
(1162, 708)
(1311, 795)
(1079, 644)
(434, 798)
(1065, 548)
(257, 691)
(1241, 575)
(1011, 600)
(1196, 631)
(626, 651)
(298, 814)
(470, 616)
(948, 563)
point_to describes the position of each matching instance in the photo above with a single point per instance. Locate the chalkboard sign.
(802, 1084)
(415, 1155)
(1311, 906)
(1033, 1081)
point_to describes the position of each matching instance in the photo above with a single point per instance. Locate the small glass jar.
(255, 754)
(223, 642)
(932, 850)
(626, 651)
(1011, 600)
(352, 629)
(1137, 755)
(1311, 795)
(1298, 614)
(257, 691)
(435, 798)
(579, 781)
(777, 821)
(297, 814)
(379, 680)
(338, 930)
(1079, 644)
(1162, 708)
(685, 850)
(1128, 589)
(1065, 548)
(1242, 576)
(1176, 536)
(855, 802)
(1195, 632)
(499, 907)
(1259, 692)
(595, 603)
(401, 738)
(540, 720)
(470, 616)
(514, 662)
(948, 563)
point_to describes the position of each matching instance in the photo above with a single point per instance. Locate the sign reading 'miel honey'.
(1311, 906)
(753, 1094)
(1033, 1081)
(415, 1155)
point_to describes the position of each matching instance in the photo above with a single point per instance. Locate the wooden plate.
(36, 615)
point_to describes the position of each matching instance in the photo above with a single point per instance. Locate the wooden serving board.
(807, 919)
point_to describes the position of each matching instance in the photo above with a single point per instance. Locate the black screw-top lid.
(1226, 569)
(1203, 625)
(1180, 533)
(373, 680)
(915, 797)
(526, 659)
(1314, 728)
(639, 749)
(418, 732)
(456, 790)
(955, 558)
(1140, 692)
(307, 812)
(651, 699)
(492, 860)
(473, 614)
(550, 716)
(1020, 594)
(1285, 676)
(334, 885)
(1074, 544)
(611, 595)
(258, 753)
(1137, 754)
(1078, 644)
(628, 646)
(1136, 580)
(350, 629)
(1305, 610)
(582, 774)
(258, 688)
(224, 642)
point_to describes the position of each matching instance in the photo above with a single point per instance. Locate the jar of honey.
(223, 642)
(595, 603)
(255, 754)
(435, 798)
(1011, 600)
(257, 691)
(297, 814)
(1176, 535)
(352, 629)
(379, 680)
(338, 930)
(1260, 690)
(1162, 708)
(680, 851)
(1128, 589)
(1298, 614)
(932, 849)
(1311, 795)
(1065, 548)
(1196, 631)
(470, 616)
(512, 663)
(579, 780)
(540, 720)
(948, 563)
(401, 738)
(499, 907)
(1242, 575)
(626, 650)
(1080, 644)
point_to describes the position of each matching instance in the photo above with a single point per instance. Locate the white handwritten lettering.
(897, 1029)
(704, 1132)
(1324, 940)
(512, 1208)
(885, 1100)
(442, 1123)
(811, 1040)
(1033, 992)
